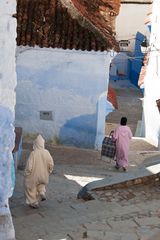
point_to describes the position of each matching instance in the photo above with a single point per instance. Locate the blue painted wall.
(66, 83)
(136, 62)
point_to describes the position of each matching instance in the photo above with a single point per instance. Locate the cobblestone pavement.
(124, 214)
(132, 195)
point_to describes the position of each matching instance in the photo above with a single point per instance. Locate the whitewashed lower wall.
(151, 121)
(7, 104)
(103, 110)
(67, 83)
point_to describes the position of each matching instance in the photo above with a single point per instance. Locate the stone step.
(111, 126)
(129, 104)
(141, 144)
(143, 175)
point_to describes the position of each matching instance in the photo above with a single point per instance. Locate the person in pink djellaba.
(38, 168)
(122, 135)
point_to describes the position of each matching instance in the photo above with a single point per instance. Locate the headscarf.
(39, 143)
(123, 121)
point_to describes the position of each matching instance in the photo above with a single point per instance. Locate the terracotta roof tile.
(49, 23)
(143, 70)
(137, 1)
(101, 14)
(111, 97)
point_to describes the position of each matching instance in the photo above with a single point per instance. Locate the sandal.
(34, 205)
(42, 196)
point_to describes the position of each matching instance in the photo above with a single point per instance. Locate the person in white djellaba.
(38, 168)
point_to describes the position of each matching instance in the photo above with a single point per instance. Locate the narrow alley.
(61, 61)
(114, 214)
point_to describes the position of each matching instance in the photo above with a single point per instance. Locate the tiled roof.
(101, 13)
(137, 1)
(66, 24)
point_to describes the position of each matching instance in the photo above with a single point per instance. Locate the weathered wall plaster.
(66, 83)
(151, 114)
(7, 103)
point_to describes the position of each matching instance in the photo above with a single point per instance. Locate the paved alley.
(131, 213)
(123, 214)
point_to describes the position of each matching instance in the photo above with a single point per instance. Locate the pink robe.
(122, 135)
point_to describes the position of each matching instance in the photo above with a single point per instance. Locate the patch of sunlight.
(82, 180)
(154, 169)
(132, 165)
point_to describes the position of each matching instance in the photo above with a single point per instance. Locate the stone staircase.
(129, 105)
(129, 100)
(142, 154)
(141, 144)
(115, 219)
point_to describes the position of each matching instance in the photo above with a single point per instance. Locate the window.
(124, 43)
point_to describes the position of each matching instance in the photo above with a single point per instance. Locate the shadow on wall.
(79, 131)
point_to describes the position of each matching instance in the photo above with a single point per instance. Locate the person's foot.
(117, 167)
(124, 169)
(42, 196)
(34, 205)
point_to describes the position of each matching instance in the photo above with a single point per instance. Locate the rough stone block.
(148, 221)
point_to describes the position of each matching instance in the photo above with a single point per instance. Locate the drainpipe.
(7, 104)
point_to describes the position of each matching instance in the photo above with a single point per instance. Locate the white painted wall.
(67, 83)
(151, 121)
(130, 21)
(7, 103)
(103, 110)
